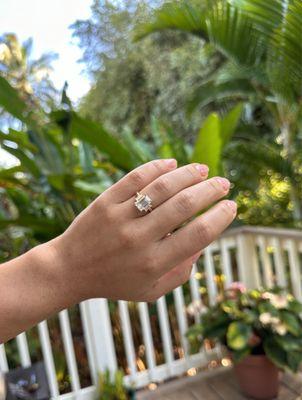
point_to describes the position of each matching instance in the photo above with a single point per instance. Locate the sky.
(47, 22)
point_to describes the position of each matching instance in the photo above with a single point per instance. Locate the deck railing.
(254, 255)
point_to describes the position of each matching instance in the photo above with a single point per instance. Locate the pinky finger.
(174, 278)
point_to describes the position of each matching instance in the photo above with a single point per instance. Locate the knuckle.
(162, 185)
(149, 265)
(100, 207)
(127, 238)
(184, 202)
(137, 178)
(157, 165)
(204, 231)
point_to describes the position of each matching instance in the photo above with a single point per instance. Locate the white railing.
(255, 256)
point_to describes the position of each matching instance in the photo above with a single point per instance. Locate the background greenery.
(208, 81)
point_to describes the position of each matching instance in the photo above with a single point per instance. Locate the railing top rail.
(266, 231)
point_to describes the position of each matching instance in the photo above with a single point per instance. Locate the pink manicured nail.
(224, 183)
(171, 162)
(203, 169)
(232, 205)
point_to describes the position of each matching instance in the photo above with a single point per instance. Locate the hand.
(114, 251)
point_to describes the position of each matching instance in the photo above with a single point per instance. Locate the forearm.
(32, 289)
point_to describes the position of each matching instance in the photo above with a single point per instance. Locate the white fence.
(255, 256)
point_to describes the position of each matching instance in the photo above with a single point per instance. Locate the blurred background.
(91, 89)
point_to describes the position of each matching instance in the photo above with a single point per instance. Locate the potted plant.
(262, 330)
(111, 387)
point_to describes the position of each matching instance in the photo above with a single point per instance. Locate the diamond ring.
(143, 202)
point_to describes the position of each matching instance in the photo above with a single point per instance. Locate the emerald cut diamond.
(143, 202)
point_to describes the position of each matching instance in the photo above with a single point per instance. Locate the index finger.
(139, 178)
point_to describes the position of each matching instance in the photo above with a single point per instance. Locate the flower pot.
(258, 377)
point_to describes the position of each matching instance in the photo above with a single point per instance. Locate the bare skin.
(112, 250)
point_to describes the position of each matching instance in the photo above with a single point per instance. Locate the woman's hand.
(113, 250)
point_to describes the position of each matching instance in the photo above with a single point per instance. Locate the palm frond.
(280, 23)
(182, 15)
(248, 32)
(205, 94)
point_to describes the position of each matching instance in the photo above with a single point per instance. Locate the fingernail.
(171, 162)
(203, 169)
(225, 183)
(232, 205)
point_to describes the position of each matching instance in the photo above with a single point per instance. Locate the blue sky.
(47, 22)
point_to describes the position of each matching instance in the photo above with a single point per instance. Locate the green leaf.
(182, 15)
(28, 163)
(240, 354)
(291, 322)
(294, 359)
(215, 325)
(36, 224)
(212, 91)
(295, 306)
(289, 343)
(133, 144)
(11, 101)
(94, 133)
(275, 353)
(230, 122)
(238, 335)
(208, 145)
(18, 137)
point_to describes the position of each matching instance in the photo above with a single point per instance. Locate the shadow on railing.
(148, 341)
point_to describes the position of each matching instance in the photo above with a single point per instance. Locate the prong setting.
(143, 202)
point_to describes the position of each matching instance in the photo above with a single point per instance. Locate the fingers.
(196, 235)
(168, 185)
(174, 278)
(139, 178)
(185, 205)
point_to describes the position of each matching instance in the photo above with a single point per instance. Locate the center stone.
(143, 202)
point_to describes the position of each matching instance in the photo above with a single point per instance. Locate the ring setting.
(143, 202)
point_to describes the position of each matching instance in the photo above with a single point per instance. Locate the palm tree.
(262, 46)
(31, 77)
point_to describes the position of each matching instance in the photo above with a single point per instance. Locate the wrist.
(53, 274)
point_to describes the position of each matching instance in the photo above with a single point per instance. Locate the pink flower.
(237, 287)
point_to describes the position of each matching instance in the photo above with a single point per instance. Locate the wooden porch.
(218, 385)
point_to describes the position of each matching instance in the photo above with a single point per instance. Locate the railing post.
(98, 324)
(247, 261)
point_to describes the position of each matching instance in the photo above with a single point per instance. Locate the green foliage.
(10, 100)
(254, 322)
(93, 133)
(238, 335)
(30, 76)
(213, 136)
(246, 31)
(113, 388)
(261, 44)
(135, 82)
(209, 144)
